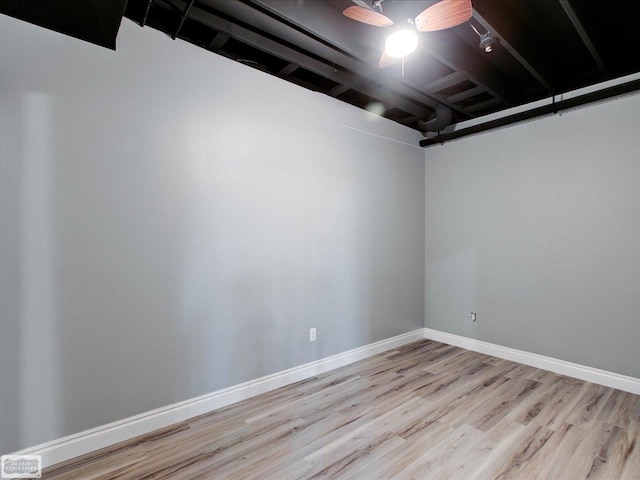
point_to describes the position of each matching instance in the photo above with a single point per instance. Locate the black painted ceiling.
(96, 21)
(545, 48)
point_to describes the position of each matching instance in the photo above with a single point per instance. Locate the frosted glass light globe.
(401, 43)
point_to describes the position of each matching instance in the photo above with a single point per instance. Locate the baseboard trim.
(73, 446)
(590, 374)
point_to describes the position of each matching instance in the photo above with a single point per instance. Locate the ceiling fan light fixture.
(401, 43)
(487, 41)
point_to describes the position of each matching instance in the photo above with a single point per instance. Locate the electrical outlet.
(312, 334)
(473, 317)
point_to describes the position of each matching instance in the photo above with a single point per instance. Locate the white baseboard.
(66, 448)
(590, 374)
(88, 441)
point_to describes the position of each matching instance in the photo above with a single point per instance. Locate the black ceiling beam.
(282, 51)
(95, 21)
(549, 109)
(583, 35)
(173, 6)
(447, 81)
(512, 50)
(409, 119)
(476, 107)
(218, 42)
(318, 23)
(183, 17)
(459, 97)
(310, 19)
(143, 22)
(456, 54)
(288, 70)
(270, 25)
(338, 90)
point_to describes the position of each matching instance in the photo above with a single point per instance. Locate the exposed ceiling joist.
(583, 35)
(512, 50)
(183, 17)
(476, 107)
(143, 22)
(338, 90)
(95, 21)
(173, 6)
(541, 50)
(312, 43)
(218, 41)
(264, 21)
(459, 56)
(548, 109)
(459, 97)
(409, 119)
(447, 81)
(385, 96)
(288, 70)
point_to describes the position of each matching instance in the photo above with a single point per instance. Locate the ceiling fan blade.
(444, 14)
(387, 60)
(370, 17)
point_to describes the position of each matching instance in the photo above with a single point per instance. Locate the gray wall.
(536, 228)
(173, 223)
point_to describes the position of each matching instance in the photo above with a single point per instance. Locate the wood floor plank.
(357, 460)
(631, 453)
(589, 405)
(623, 410)
(566, 405)
(520, 463)
(418, 444)
(436, 456)
(591, 458)
(492, 447)
(555, 411)
(543, 376)
(531, 407)
(425, 410)
(379, 424)
(521, 389)
(523, 371)
(553, 453)
(460, 406)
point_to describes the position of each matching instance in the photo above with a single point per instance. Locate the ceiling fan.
(439, 16)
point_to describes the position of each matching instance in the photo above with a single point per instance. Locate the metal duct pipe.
(549, 109)
(439, 122)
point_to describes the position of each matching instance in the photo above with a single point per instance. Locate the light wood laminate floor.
(425, 411)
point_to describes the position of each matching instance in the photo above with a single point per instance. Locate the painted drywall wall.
(536, 228)
(174, 222)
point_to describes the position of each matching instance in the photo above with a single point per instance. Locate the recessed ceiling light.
(401, 43)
